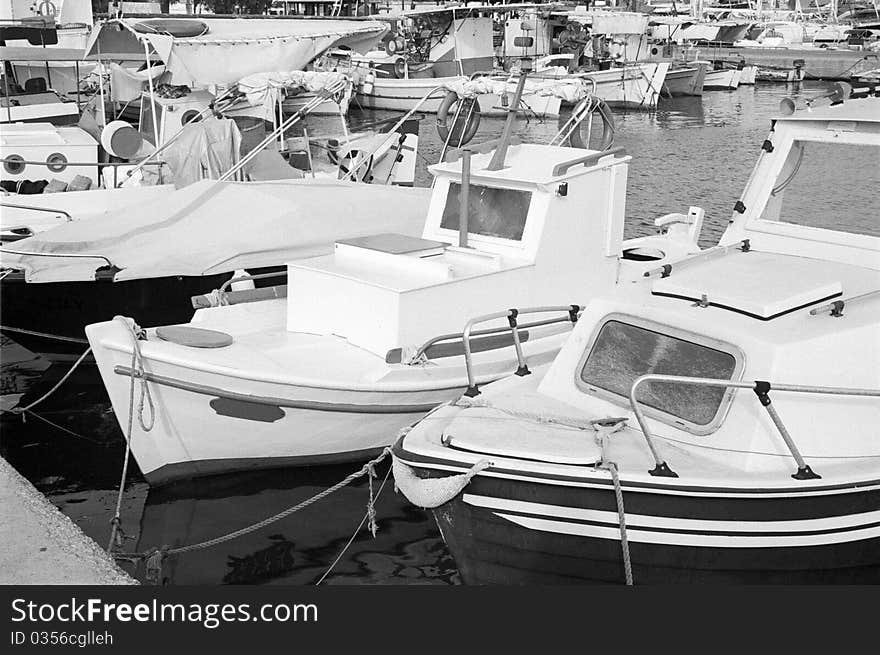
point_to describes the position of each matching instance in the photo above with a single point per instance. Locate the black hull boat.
(49, 319)
(511, 531)
(714, 422)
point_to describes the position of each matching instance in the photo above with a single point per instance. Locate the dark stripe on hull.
(717, 504)
(489, 549)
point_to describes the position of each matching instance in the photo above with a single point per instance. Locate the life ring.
(50, 12)
(460, 136)
(399, 68)
(181, 28)
(576, 138)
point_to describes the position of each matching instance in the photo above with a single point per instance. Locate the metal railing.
(38, 209)
(835, 307)
(762, 391)
(512, 315)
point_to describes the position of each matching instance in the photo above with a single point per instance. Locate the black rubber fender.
(577, 138)
(472, 113)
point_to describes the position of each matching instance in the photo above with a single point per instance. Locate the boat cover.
(233, 48)
(212, 227)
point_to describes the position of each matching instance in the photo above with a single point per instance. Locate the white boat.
(368, 338)
(714, 423)
(724, 78)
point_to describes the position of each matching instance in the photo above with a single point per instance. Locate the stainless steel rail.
(38, 209)
(511, 315)
(762, 391)
(835, 307)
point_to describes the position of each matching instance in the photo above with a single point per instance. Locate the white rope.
(137, 366)
(27, 408)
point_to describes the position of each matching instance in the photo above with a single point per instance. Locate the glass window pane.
(623, 352)
(831, 186)
(492, 212)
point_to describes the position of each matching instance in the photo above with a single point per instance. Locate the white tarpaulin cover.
(264, 90)
(233, 48)
(213, 227)
(570, 89)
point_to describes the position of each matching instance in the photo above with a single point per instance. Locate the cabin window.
(828, 185)
(622, 351)
(499, 213)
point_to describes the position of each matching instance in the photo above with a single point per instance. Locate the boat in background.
(713, 423)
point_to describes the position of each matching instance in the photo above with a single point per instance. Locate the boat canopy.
(230, 48)
(212, 227)
(25, 53)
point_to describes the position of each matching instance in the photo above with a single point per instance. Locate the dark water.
(691, 151)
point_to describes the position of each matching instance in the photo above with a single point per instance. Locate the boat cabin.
(790, 296)
(545, 228)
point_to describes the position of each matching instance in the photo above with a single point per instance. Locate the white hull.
(722, 79)
(748, 75)
(214, 416)
(636, 86)
(406, 94)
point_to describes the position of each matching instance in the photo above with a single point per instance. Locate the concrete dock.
(40, 545)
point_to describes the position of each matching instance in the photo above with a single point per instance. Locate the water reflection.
(300, 548)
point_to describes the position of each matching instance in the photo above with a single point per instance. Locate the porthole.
(190, 116)
(56, 162)
(14, 164)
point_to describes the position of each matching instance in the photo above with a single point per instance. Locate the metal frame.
(762, 390)
(675, 333)
(511, 315)
(38, 209)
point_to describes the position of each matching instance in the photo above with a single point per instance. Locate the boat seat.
(194, 337)
(36, 85)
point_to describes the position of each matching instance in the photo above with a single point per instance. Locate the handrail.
(762, 390)
(23, 253)
(511, 315)
(835, 307)
(716, 251)
(440, 338)
(587, 160)
(244, 278)
(38, 209)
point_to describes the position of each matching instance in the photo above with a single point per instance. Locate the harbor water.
(691, 151)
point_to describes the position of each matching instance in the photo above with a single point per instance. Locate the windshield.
(622, 352)
(831, 186)
(492, 212)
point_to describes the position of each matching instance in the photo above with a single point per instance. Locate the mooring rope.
(368, 515)
(45, 335)
(28, 408)
(137, 366)
(155, 557)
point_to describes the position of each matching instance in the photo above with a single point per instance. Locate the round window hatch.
(14, 164)
(190, 116)
(56, 162)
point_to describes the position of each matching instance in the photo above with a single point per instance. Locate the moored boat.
(367, 339)
(713, 423)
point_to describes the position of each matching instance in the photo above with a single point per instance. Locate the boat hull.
(406, 94)
(25, 308)
(506, 531)
(725, 79)
(685, 81)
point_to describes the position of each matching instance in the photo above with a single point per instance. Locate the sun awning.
(233, 48)
(214, 227)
